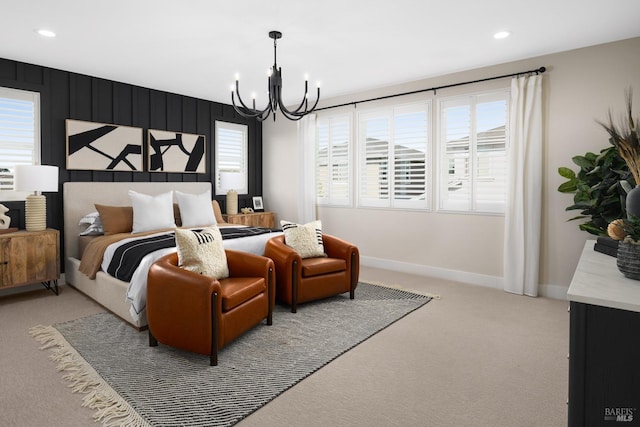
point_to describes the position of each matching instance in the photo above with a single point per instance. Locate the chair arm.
(284, 258)
(335, 247)
(245, 264)
(175, 293)
(280, 253)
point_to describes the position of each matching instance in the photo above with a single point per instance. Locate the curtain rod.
(434, 89)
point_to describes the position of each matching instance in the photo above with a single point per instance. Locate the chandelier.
(274, 86)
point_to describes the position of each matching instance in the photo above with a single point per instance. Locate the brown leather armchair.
(197, 313)
(301, 280)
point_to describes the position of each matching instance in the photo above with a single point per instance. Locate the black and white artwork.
(257, 204)
(176, 152)
(100, 146)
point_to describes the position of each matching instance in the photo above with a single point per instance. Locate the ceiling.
(196, 47)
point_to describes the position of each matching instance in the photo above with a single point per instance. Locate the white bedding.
(137, 290)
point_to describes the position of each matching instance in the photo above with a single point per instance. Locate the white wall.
(579, 87)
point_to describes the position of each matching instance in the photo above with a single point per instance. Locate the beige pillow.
(305, 239)
(202, 252)
(116, 219)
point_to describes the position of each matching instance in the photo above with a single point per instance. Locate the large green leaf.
(567, 187)
(566, 172)
(582, 161)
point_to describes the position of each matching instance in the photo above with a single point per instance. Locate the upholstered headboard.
(79, 199)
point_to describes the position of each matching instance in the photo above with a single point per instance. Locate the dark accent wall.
(68, 95)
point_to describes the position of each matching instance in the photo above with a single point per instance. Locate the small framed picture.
(257, 204)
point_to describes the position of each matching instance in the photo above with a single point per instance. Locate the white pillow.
(152, 212)
(305, 239)
(195, 209)
(202, 252)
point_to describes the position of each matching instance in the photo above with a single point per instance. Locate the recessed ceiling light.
(46, 33)
(501, 35)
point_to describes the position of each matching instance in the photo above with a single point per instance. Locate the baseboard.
(549, 291)
(554, 291)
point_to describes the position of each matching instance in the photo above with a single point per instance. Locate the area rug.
(129, 383)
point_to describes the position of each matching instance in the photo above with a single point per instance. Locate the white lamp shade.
(231, 181)
(36, 178)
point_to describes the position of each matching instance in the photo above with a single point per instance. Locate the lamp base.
(35, 209)
(232, 202)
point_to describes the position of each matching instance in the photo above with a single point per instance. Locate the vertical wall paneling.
(67, 95)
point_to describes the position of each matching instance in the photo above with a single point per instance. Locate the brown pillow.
(176, 215)
(217, 212)
(116, 219)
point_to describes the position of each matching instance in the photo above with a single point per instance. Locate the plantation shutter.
(231, 153)
(455, 131)
(333, 176)
(394, 161)
(491, 153)
(374, 163)
(19, 135)
(410, 143)
(473, 146)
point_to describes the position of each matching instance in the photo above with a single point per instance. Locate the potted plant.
(626, 138)
(607, 185)
(600, 188)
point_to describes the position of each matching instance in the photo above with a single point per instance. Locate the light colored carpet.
(129, 383)
(476, 357)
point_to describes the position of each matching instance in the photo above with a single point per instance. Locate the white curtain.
(307, 158)
(524, 194)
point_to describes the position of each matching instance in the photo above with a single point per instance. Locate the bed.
(79, 199)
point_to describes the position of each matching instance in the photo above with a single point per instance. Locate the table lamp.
(231, 182)
(36, 178)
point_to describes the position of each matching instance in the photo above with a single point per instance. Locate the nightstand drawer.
(29, 257)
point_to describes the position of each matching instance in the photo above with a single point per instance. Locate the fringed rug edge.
(111, 409)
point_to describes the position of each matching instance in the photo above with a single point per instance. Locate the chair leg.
(294, 291)
(153, 342)
(213, 357)
(352, 289)
(270, 311)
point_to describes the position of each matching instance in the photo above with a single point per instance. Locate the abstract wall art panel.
(99, 146)
(176, 152)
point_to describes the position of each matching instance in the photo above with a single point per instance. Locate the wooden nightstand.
(256, 219)
(28, 257)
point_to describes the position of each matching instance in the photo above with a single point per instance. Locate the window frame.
(331, 198)
(443, 165)
(243, 168)
(390, 114)
(28, 96)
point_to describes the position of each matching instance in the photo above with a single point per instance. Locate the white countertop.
(598, 281)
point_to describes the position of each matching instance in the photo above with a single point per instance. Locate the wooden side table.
(256, 219)
(28, 257)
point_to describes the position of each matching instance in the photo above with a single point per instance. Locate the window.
(231, 142)
(19, 136)
(394, 164)
(473, 152)
(333, 160)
